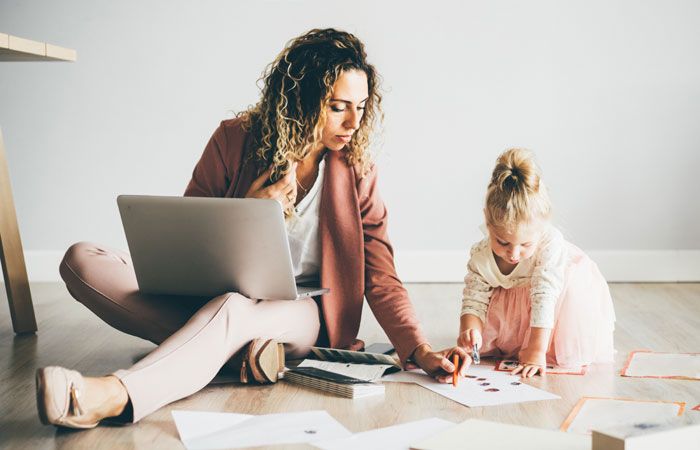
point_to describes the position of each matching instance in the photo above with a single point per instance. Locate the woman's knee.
(81, 257)
(233, 303)
(92, 271)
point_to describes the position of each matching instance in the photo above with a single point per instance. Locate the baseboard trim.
(648, 266)
(449, 266)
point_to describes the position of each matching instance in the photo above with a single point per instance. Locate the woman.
(305, 144)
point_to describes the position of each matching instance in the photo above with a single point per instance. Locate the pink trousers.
(196, 336)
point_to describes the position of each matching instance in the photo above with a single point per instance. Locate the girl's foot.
(66, 398)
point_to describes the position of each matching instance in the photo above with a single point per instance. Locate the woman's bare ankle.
(106, 396)
(120, 398)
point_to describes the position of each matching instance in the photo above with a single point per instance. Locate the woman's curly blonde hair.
(287, 122)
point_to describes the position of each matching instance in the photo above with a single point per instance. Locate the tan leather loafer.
(58, 392)
(262, 361)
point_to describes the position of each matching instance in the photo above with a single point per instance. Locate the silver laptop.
(210, 246)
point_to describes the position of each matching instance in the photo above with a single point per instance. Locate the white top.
(302, 230)
(544, 272)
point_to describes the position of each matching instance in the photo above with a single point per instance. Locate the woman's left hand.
(531, 363)
(439, 364)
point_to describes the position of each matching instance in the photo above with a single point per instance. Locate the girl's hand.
(531, 362)
(284, 190)
(439, 364)
(468, 338)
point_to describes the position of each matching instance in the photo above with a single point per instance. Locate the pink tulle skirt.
(583, 324)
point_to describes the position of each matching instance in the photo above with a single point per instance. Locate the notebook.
(349, 356)
(333, 383)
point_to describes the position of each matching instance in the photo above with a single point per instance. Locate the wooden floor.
(663, 317)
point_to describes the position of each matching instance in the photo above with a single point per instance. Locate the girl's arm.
(476, 296)
(533, 355)
(547, 282)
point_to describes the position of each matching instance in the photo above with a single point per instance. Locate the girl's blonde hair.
(288, 120)
(516, 193)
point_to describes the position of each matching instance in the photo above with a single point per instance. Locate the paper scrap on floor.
(599, 413)
(397, 437)
(508, 365)
(366, 372)
(483, 387)
(648, 364)
(201, 430)
(482, 434)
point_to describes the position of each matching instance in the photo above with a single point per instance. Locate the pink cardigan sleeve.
(385, 294)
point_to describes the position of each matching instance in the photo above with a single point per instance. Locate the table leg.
(12, 257)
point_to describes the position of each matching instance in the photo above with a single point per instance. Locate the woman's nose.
(353, 120)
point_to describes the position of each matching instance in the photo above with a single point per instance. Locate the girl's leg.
(186, 361)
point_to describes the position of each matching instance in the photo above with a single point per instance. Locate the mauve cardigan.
(356, 256)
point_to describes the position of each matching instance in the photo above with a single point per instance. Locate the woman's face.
(345, 109)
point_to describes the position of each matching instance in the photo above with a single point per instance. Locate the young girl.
(528, 293)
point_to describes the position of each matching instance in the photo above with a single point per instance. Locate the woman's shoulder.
(233, 128)
(231, 138)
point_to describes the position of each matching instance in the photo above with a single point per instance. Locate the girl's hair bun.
(516, 192)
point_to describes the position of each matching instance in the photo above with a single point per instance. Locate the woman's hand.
(284, 190)
(439, 364)
(531, 362)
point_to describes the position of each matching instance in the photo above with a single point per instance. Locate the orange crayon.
(455, 374)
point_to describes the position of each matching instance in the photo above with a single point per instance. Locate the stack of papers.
(333, 383)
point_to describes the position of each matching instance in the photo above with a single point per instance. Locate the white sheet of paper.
(475, 391)
(207, 430)
(602, 413)
(481, 434)
(397, 437)
(650, 364)
(367, 372)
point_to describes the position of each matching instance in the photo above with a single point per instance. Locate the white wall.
(606, 92)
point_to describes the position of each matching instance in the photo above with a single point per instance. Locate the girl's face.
(513, 246)
(345, 109)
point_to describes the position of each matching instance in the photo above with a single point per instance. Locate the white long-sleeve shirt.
(544, 272)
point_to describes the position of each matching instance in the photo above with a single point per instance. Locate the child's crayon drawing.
(507, 365)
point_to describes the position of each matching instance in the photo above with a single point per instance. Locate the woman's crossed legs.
(196, 336)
